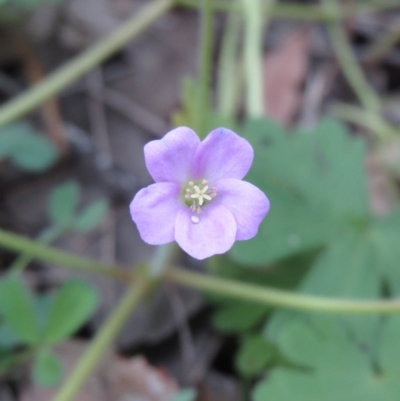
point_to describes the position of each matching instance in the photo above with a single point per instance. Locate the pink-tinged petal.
(222, 154)
(169, 159)
(246, 202)
(154, 210)
(214, 233)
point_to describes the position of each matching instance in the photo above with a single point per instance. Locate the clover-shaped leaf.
(72, 305)
(17, 309)
(91, 216)
(63, 203)
(26, 148)
(47, 368)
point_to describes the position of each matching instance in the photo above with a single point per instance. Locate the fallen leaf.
(135, 379)
(284, 70)
(114, 379)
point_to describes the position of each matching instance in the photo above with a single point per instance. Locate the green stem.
(205, 68)
(229, 77)
(348, 62)
(253, 57)
(383, 44)
(279, 298)
(295, 11)
(163, 257)
(40, 251)
(359, 116)
(73, 70)
(23, 260)
(229, 288)
(92, 356)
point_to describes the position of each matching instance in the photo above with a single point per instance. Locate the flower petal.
(222, 154)
(154, 210)
(246, 202)
(169, 159)
(213, 234)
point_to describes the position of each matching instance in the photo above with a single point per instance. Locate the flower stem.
(253, 56)
(279, 298)
(362, 117)
(348, 62)
(229, 72)
(205, 68)
(40, 251)
(92, 356)
(73, 70)
(299, 11)
(229, 288)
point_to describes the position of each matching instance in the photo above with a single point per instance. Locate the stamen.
(199, 193)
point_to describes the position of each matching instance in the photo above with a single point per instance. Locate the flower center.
(198, 194)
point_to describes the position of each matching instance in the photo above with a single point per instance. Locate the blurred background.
(69, 169)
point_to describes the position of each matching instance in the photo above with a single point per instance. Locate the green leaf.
(92, 216)
(290, 227)
(63, 203)
(27, 149)
(73, 304)
(348, 268)
(316, 185)
(47, 369)
(17, 309)
(236, 317)
(334, 367)
(386, 236)
(254, 355)
(8, 339)
(187, 394)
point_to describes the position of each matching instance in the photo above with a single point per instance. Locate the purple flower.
(198, 199)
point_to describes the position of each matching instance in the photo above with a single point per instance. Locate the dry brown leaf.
(136, 380)
(284, 70)
(115, 379)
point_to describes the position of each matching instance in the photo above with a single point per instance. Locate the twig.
(102, 341)
(97, 117)
(348, 62)
(73, 70)
(301, 12)
(369, 120)
(50, 110)
(134, 112)
(383, 44)
(185, 336)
